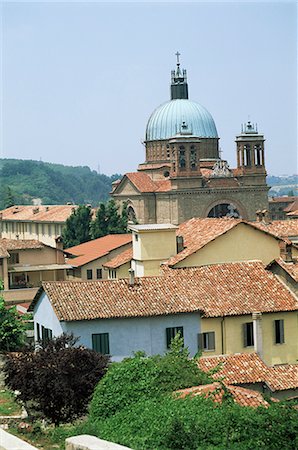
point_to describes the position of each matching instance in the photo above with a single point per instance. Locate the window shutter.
(200, 342)
(245, 334)
(211, 343)
(282, 333)
(169, 336)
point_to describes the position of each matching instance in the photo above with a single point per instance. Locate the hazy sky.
(79, 80)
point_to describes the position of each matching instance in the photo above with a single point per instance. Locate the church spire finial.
(179, 87)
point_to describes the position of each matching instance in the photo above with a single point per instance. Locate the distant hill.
(24, 180)
(284, 185)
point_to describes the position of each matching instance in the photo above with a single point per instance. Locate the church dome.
(166, 121)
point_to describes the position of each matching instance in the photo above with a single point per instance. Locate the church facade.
(184, 175)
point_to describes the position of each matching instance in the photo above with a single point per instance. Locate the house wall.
(129, 335)
(41, 256)
(241, 243)
(125, 335)
(81, 273)
(44, 315)
(122, 271)
(154, 245)
(229, 336)
(44, 232)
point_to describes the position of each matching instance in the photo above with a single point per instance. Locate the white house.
(119, 317)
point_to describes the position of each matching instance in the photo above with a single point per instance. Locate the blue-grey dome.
(167, 119)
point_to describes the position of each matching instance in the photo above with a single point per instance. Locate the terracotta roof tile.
(199, 232)
(43, 213)
(218, 290)
(144, 183)
(3, 252)
(120, 259)
(89, 251)
(216, 392)
(21, 244)
(279, 228)
(292, 207)
(248, 368)
(290, 267)
(286, 199)
(154, 166)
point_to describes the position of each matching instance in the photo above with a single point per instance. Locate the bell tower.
(250, 150)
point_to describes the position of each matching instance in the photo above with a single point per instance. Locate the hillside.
(52, 183)
(24, 180)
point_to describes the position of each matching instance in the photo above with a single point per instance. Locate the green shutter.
(200, 342)
(282, 333)
(245, 334)
(100, 343)
(211, 340)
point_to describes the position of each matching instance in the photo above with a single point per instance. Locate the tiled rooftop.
(21, 244)
(119, 260)
(144, 183)
(292, 207)
(290, 267)
(97, 248)
(42, 213)
(218, 290)
(248, 368)
(215, 391)
(280, 228)
(199, 232)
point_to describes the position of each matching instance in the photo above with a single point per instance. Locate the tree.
(9, 199)
(59, 378)
(12, 329)
(77, 227)
(143, 377)
(108, 220)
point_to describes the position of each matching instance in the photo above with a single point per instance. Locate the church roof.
(166, 121)
(279, 228)
(144, 183)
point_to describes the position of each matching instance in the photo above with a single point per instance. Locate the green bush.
(144, 377)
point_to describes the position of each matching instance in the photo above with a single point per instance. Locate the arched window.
(131, 215)
(182, 160)
(224, 210)
(193, 158)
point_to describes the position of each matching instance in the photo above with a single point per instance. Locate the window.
(100, 343)
(112, 274)
(89, 274)
(171, 333)
(279, 332)
(248, 334)
(38, 331)
(14, 258)
(99, 274)
(46, 334)
(207, 341)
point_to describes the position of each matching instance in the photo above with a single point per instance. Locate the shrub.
(12, 328)
(144, 377)
(59, 378)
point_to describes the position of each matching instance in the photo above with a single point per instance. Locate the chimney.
(35, 210)
(266, 217)
(259, 215)
(180, 243)
(258, 334)
(285, 251)
(131, 277)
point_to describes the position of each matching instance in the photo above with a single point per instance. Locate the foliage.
(59, 378)
(77, 227)
(12, 328)
(9, 199)
(108, 220)
(144, 377)
(8, 405)
(52, 183)
(197, 423)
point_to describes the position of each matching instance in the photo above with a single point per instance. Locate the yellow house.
(212, 241)
(24, 264)
(244, 308)
(40, 222)
(87, 260)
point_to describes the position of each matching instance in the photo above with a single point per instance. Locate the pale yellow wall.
(241, 243)
(44, 232)
(233, 340)
(159, 245)
(122, 271)
(98, 264)
(42, 256)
